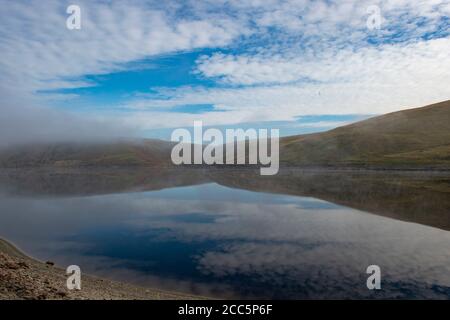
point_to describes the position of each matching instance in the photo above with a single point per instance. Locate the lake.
(302, 234)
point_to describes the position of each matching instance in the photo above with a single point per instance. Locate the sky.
(143, 68)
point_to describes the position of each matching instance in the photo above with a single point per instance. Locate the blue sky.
(113, 90)
(145, 67)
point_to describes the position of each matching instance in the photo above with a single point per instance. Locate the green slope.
(417, 137)
(414, 138)
(125, 153)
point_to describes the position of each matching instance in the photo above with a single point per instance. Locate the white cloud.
(288, 58)
(389, 64)
(319, 63)
(368, 81)
(40, 53)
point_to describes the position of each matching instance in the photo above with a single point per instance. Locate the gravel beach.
(22, 277)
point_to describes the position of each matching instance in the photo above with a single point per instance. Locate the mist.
(21, 125)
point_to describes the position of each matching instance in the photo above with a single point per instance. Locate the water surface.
(237, 235)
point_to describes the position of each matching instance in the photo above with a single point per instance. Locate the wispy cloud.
(40, 53)
(267, 60)
(320, 58)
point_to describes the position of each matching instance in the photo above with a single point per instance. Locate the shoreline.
(223, 168)
(25, 278)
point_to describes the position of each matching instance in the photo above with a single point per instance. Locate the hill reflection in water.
(233, 233)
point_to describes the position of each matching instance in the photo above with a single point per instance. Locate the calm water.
(238, 235)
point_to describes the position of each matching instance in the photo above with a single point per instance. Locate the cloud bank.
(267, 60)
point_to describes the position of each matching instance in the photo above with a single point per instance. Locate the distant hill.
(124, 153)
(414, 138)
(417, 137)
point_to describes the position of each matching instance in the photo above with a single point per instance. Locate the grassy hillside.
(125, 153)
(411, 138)
(414, 138)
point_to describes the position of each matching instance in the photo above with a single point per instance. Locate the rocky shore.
(22, 277)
